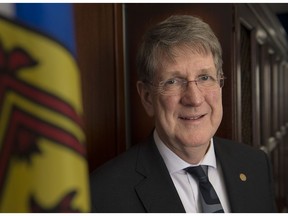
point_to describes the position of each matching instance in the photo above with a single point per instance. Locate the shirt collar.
(175, 164)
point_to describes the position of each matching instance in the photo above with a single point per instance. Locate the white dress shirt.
(185, 184)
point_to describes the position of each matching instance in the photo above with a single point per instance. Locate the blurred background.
(95, 91)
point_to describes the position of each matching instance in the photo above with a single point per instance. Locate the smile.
(191, 117)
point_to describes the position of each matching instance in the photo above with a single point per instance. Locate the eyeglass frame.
(185, 83)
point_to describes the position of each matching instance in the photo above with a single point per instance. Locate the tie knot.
(198, 172)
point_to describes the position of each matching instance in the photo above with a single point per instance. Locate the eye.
(204, 78)
(173, 81)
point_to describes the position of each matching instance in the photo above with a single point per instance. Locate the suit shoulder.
(125, 161)
(234, 144)
(236, 148)
(112, 185)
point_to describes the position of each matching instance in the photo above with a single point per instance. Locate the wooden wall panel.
(267, 59)
(100, 57)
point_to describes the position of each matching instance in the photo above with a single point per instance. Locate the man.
(180, 85)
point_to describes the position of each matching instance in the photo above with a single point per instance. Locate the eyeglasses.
(176, 86)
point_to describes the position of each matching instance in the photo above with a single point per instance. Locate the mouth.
(193, 117)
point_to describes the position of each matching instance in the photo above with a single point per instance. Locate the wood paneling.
(100, 57)
(267, 62)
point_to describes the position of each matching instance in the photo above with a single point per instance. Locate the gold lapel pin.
(243, 177)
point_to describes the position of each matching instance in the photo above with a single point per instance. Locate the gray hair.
(176, 32)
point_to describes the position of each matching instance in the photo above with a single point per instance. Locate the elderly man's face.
(188, 119)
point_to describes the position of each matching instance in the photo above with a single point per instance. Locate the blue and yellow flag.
(42, 153)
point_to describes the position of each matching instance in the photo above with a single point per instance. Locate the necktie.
(208, 198)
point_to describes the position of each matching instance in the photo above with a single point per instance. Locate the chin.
(195, 141)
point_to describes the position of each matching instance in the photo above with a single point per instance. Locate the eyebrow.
(202, 71)
(208, 70)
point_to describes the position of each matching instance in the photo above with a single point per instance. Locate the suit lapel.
(234, 175)
(159, 195)
(157, 191)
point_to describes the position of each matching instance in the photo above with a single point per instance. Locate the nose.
(192, 96)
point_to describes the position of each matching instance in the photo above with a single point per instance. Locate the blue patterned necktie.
(208, 198)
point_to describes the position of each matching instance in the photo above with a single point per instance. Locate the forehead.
(186, 62)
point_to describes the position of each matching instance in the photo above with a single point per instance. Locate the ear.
(146, 97)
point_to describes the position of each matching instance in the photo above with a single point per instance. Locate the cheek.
(215, 101)
(166, 105)
(214, 97)
(165, 108)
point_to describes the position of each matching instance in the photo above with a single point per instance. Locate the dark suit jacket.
(138, 181)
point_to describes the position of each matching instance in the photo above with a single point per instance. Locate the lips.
(193, 117)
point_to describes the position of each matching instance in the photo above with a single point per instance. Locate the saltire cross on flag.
(42, 153)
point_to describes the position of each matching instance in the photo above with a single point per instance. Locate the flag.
(42, 144)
